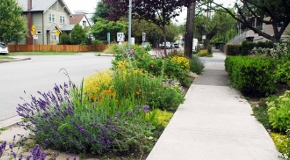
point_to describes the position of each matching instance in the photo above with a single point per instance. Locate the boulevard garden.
(118, 111)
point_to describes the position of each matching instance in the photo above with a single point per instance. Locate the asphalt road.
(40, 74)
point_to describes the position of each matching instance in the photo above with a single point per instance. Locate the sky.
(90, 5)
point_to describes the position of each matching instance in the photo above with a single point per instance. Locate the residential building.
(244, 33)
(46, 18)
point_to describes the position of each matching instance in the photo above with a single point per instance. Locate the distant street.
(40, 74)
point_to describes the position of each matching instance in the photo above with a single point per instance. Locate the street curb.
(15, 60)
(10, 122)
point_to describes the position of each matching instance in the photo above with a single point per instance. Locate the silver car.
(3, 48)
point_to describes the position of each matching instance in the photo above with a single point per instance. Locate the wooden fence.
(60, 48)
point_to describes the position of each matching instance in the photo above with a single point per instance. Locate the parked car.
(167, 45)
(176, 45)
(3, 48)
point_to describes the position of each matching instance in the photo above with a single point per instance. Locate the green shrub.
(203, 53)
(283, 72)
(233, 49)
(246, 47)
(196, 66)
(252, 76)
(282, 143)
(176, 67)
(279, 112)
(97, 42)
(209, 49)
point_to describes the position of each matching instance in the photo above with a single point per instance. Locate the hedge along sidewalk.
(214, 122)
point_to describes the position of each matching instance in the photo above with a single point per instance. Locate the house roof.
(76, 18)
(41, 5)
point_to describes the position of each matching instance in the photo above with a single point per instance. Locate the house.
(244, 33)
(45, 19)
(80, 18)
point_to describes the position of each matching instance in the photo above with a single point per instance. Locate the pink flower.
(152, 66)
(132, 51)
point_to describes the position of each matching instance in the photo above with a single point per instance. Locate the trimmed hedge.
(246, 46)
(233, 49)
(251, 75)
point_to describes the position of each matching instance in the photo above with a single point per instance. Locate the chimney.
(29, 40)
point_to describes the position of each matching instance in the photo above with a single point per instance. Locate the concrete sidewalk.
(214, 123)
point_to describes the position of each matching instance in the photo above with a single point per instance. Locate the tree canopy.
(102, 26)
(12, 24)
(102, 11)
(272, 12)
(211, 25)
(78, 35)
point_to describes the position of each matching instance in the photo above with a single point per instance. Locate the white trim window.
(51, 17)
(61, 18)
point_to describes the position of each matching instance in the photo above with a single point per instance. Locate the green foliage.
(176, 67)
(279, 112)
(101, 27)
(11, 22)
(252, 76)
(97, 42)
(282, 143)
(233, 49)
(101, 11)
(159, 118)
(146, 88)
(64, 38)
(78, 35)
(196, 66)
(246, 46)
(283, 72)
(203, 53)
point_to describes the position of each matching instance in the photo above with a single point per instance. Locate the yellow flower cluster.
(123, 67)
(160, 117)
(96, 83)
(182, 61)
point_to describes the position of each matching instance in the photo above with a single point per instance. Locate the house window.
(51, 17)
(61, 19)
(84, 23)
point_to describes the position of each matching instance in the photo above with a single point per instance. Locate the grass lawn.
(5, 58)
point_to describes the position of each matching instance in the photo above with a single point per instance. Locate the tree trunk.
(189, 30)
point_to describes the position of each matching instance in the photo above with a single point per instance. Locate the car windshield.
(2, 45)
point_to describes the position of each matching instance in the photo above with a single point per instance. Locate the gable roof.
(41, 5)
(76, 18)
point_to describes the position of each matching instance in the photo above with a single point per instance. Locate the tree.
(78, 35)
(102, 11)
(12, 24)
(64, 38)
(211, 25)
(100, 29)
(275, 13)
(157, 12)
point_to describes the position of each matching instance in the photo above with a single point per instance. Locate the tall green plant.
(11, 22)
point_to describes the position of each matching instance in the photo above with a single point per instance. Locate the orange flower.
(92, 97)
(117, 101)
(137, 93)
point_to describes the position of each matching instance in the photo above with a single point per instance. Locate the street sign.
(33, 28)
(57, 32)
(120, 37)
(35, 36)
(143, 36)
